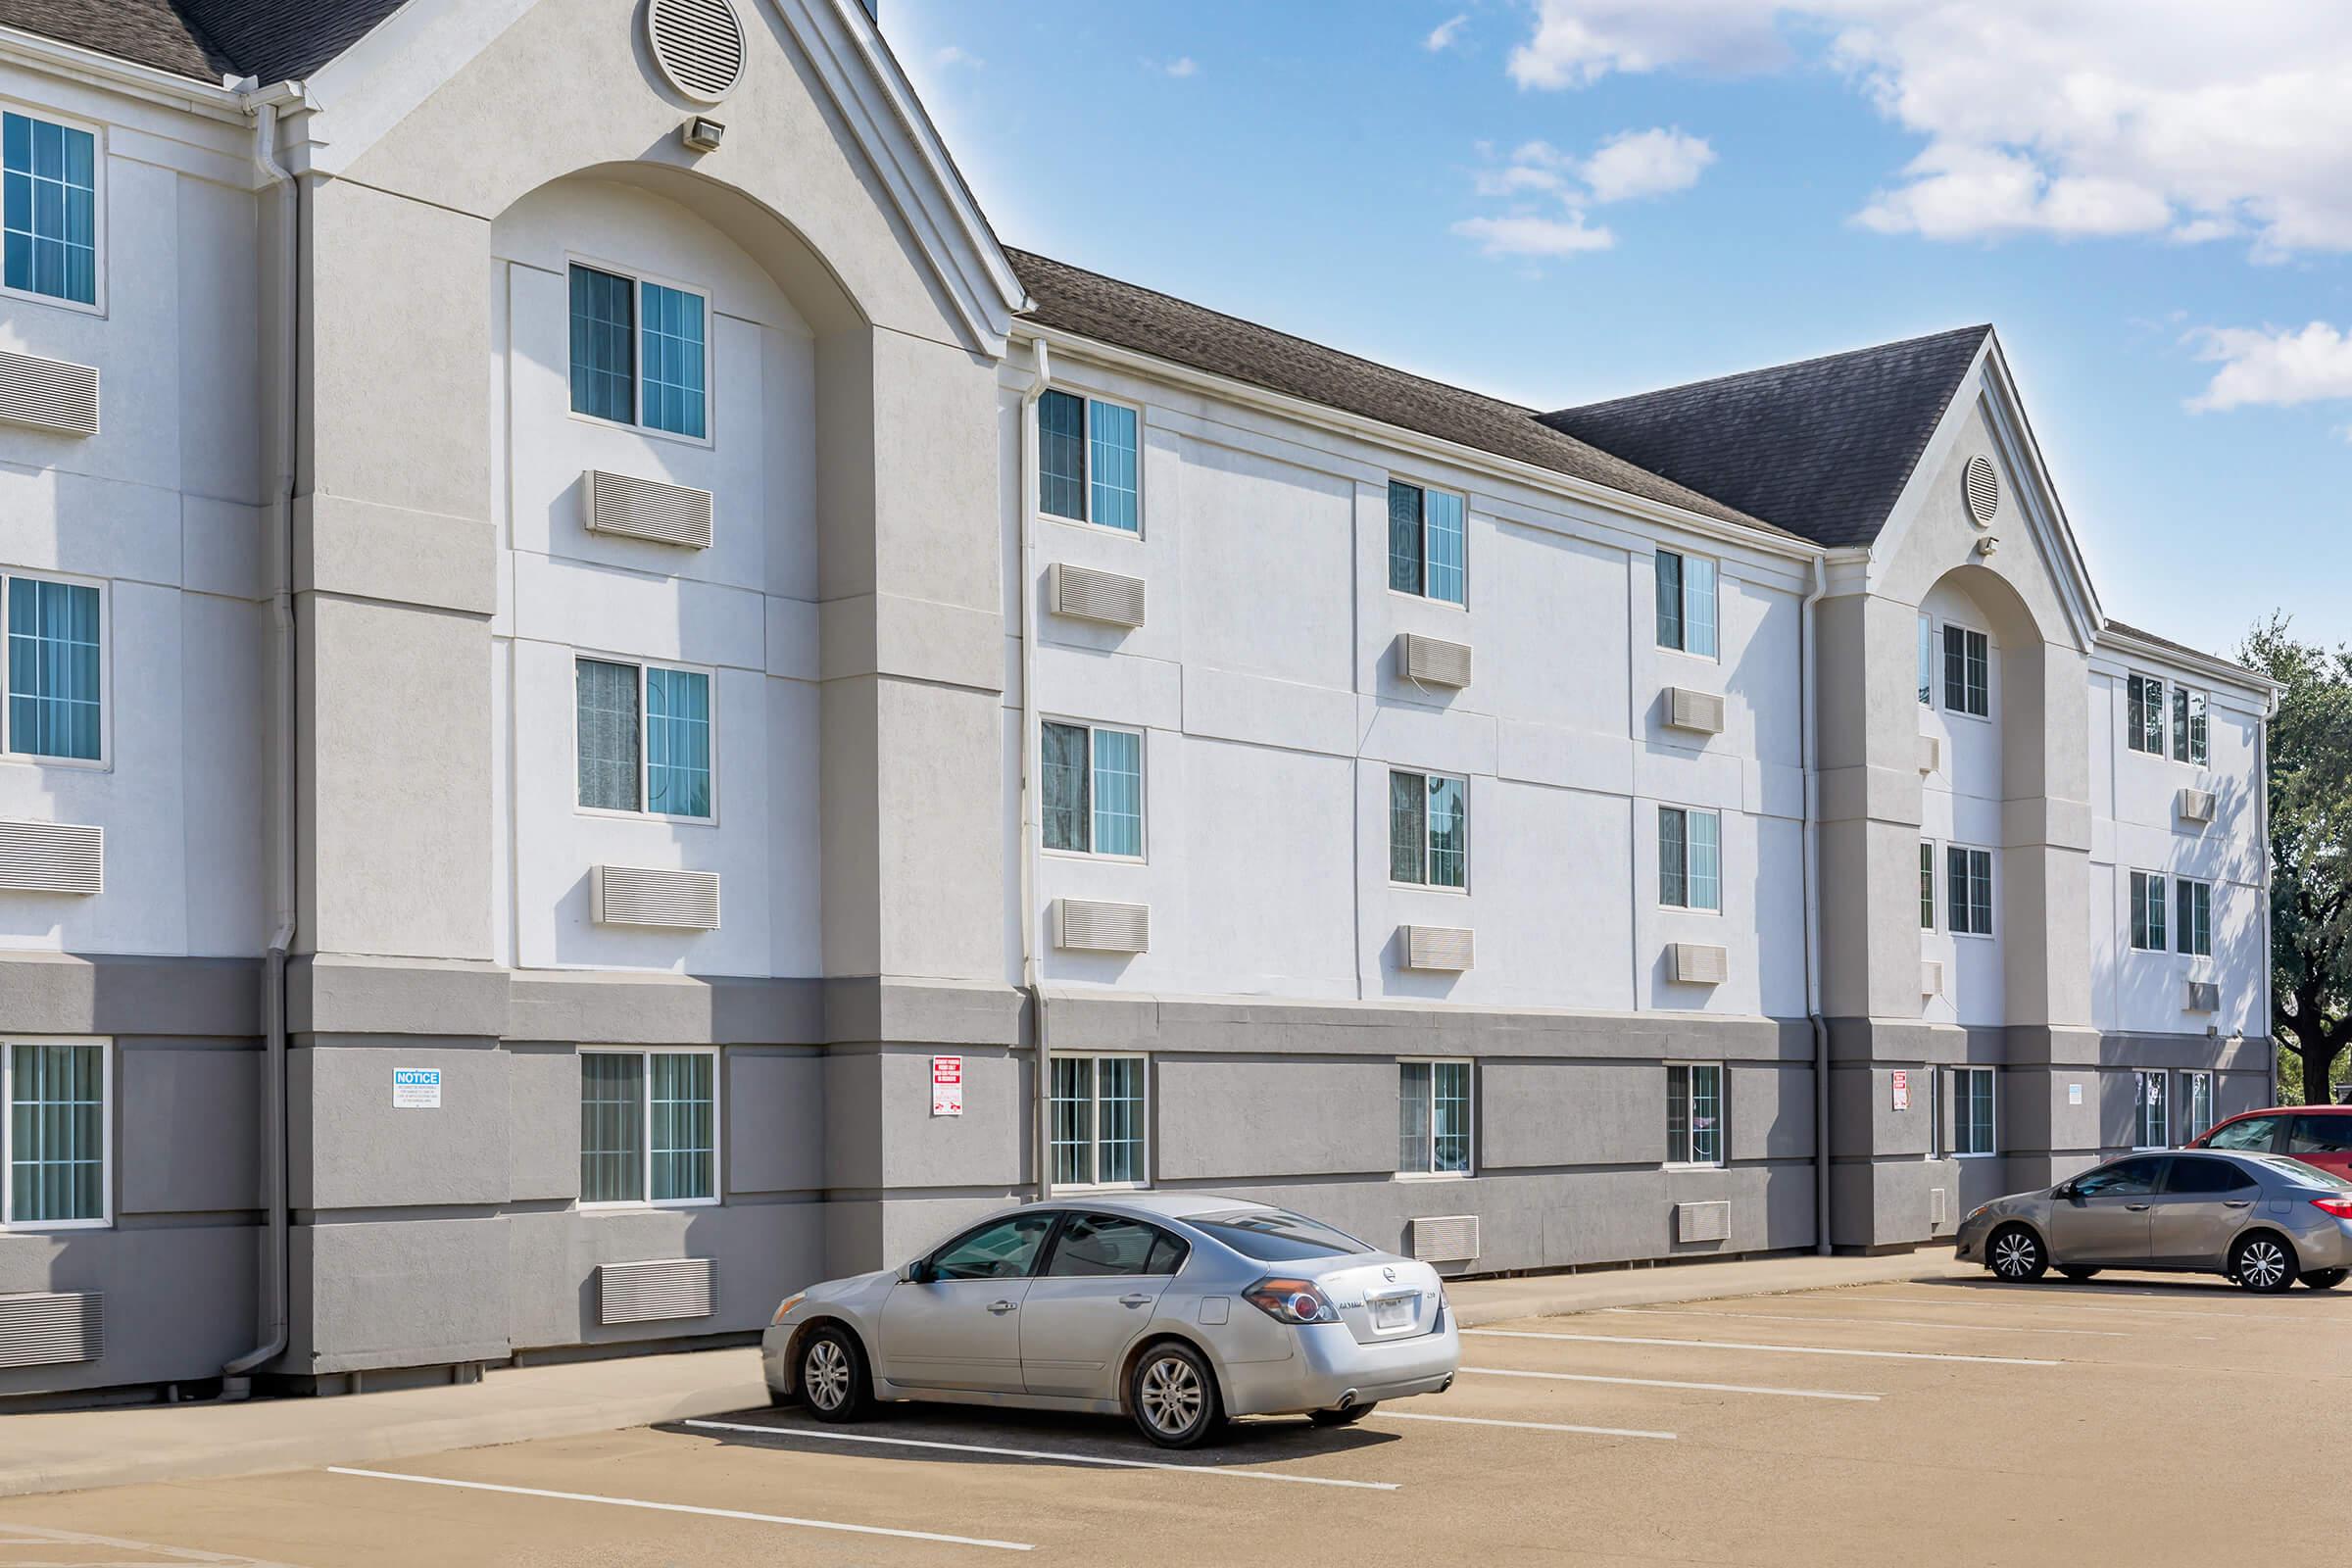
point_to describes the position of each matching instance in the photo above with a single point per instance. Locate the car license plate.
(1394, 1312)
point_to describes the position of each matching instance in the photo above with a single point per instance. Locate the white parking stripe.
(1876, 1322)
(1768, 1350)
(1524, 1426)
(687, 1507)
(1664, 1382)
(826, 1436)
(2076, 1303)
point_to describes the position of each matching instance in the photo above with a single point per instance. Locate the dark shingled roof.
(1821, 448)
(2167, 643)
(207, 40)
(1140, 320)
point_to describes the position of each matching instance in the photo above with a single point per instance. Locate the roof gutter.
(1809, 696)
(1533, 475)
(215, 101)
(2220, 670)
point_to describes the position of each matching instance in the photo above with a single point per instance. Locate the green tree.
(2311, 855)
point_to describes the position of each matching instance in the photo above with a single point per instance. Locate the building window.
(644, 738)
(1694, 1115)
(55, 671)
(1967, 671)
(51, 188)
(1097, 1121)
(648, 1127)
(1934, 1113)
(57, 1133)
(2197, 1106)
(2188, 726)
(2152, 1127)
(1425, 542)
(1927, 886)
(1433, 1118)
(2143, 715)
(1973, 1111)
(1093, 780)
(640, 352)
(2194, 928)
(1429, 830)
(1690, 858)
(2147, 911)
(1968, 885)
(1926, 661)
(1686, 603)
(1087, 469)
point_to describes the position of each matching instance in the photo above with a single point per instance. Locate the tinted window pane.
(604, 345)
(608, 731)
(2125, 1178)
(1670, 598)
(2320, 1135)
(1444, 515)
(1404, 538)
(1097, 1244)
(1113, 454)
(1275, 1235)
(2192, 1177)
(2254, 1133)
(1004, 1250)
(1061, 455)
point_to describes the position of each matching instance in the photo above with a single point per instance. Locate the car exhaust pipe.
(1348, 1400)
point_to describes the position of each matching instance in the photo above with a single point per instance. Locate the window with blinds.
(57, 1133)
(1095, 1115)
(648, 1127)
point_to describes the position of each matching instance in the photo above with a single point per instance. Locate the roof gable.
(1140, 320)
(207, 40)
(1822, 448)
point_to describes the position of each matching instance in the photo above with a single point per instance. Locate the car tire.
(2016, 1254)
(1343, 1418)
(831, 1375)
(2327, 1279)
(1172, 1394)
(2079, 1275)
(2264, 1263)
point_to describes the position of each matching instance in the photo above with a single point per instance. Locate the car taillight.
(1288, 1300)
(2340, 1207)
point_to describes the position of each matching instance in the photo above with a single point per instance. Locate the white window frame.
(98, 200)
(1469, 1066)
(104, 761)
(1094, 1152)
(2180, 933)
(2141, 1077)
(645, 1117)
(1944, 702)
(1425, 596)
(1931, 853)
(1992, 878)
(1723, 1116)
(645, 793)
(1685, 557)
(1143, 786)
(2191, 1082)
(1388, 837)
(2135, 890)
(638, 277)
(1961, 1096)
(1085, 486)
(1934, 1077)
(106, 1134)
(2198, 715)
(1659, 876)
(1930, 642)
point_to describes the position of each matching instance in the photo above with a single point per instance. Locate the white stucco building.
(576, 620)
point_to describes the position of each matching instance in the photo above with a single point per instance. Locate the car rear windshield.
(1275, 1235)
(2308, 1174)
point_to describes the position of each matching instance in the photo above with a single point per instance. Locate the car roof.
(2292, 1111)
(1157, 1205)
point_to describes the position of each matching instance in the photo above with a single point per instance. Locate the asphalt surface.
(2132, 1419)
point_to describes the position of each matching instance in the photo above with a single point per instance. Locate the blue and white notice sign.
(415, 1089)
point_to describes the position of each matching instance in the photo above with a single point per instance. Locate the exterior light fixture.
(702, 134)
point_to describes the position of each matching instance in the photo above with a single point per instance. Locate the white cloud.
(1531, 235)
(1645, 162)
(1441, 37)
(2276, 366)
(2175, 118)
(1182, 65)
(953, 55)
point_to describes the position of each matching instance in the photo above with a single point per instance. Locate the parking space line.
(1525, 1426)
(687, 1507)
(1881, 1322)
(2075, 1303)
(1061, 1458)
(1767, 1349)
(1666, 1382)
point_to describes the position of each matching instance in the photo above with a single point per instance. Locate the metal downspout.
(236, 1381)
(1041, 1087)
(1808, 667)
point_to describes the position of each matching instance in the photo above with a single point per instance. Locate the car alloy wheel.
(1171, 1395)
(2263, 1265)
(825, 1374)
(2017, 1256)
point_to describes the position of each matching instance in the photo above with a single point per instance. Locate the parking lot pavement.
(1955, 1421)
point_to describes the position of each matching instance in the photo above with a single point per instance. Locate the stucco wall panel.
(1337, 1117)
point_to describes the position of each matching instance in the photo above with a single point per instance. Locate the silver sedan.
(2263, 1220)
(1178, 1310)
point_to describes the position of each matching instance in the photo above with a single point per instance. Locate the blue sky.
(2151, 200)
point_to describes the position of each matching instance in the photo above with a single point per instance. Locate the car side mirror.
(2066, 1191)
(917, 1272)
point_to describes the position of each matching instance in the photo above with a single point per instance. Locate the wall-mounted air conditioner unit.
(49, 394)
(640, 895)
(52, 857)
(1699, 713)
(648, 508)
(1433, 660)
(1437, 946)
(2196, 805)
(1090, 595)
(1693, 963)
(1089, 925)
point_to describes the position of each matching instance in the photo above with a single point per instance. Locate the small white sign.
(415, 1089)
(1903, 1088)
(947, 1086)
(2073, 1094)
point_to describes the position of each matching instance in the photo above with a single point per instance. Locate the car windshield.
(2308, 1174)
(1275, 1235)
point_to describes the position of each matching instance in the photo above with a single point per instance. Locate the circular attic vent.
(1983, 489)
(697, 44)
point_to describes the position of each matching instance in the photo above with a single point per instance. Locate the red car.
(2318, 1135)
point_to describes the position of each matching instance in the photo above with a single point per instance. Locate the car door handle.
(1136, 1301)
(2136, 1207)
(1001, 1307)
(2237, 1203)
